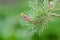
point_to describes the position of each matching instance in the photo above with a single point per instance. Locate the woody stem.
(56, 15)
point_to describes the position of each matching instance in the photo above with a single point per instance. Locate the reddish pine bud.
(50, 5)
(26, 17)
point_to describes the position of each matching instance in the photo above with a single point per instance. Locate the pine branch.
(56, 15)
(39, 22)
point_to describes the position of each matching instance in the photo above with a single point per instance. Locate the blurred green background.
(11, 29)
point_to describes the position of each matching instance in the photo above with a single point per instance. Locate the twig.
(56, 15)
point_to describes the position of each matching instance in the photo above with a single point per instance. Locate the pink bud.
(50, 5)
(27, 18)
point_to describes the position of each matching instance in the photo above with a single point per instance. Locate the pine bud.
(50, 5)
(26, 17)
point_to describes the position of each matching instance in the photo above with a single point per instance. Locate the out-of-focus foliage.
(11, 28)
